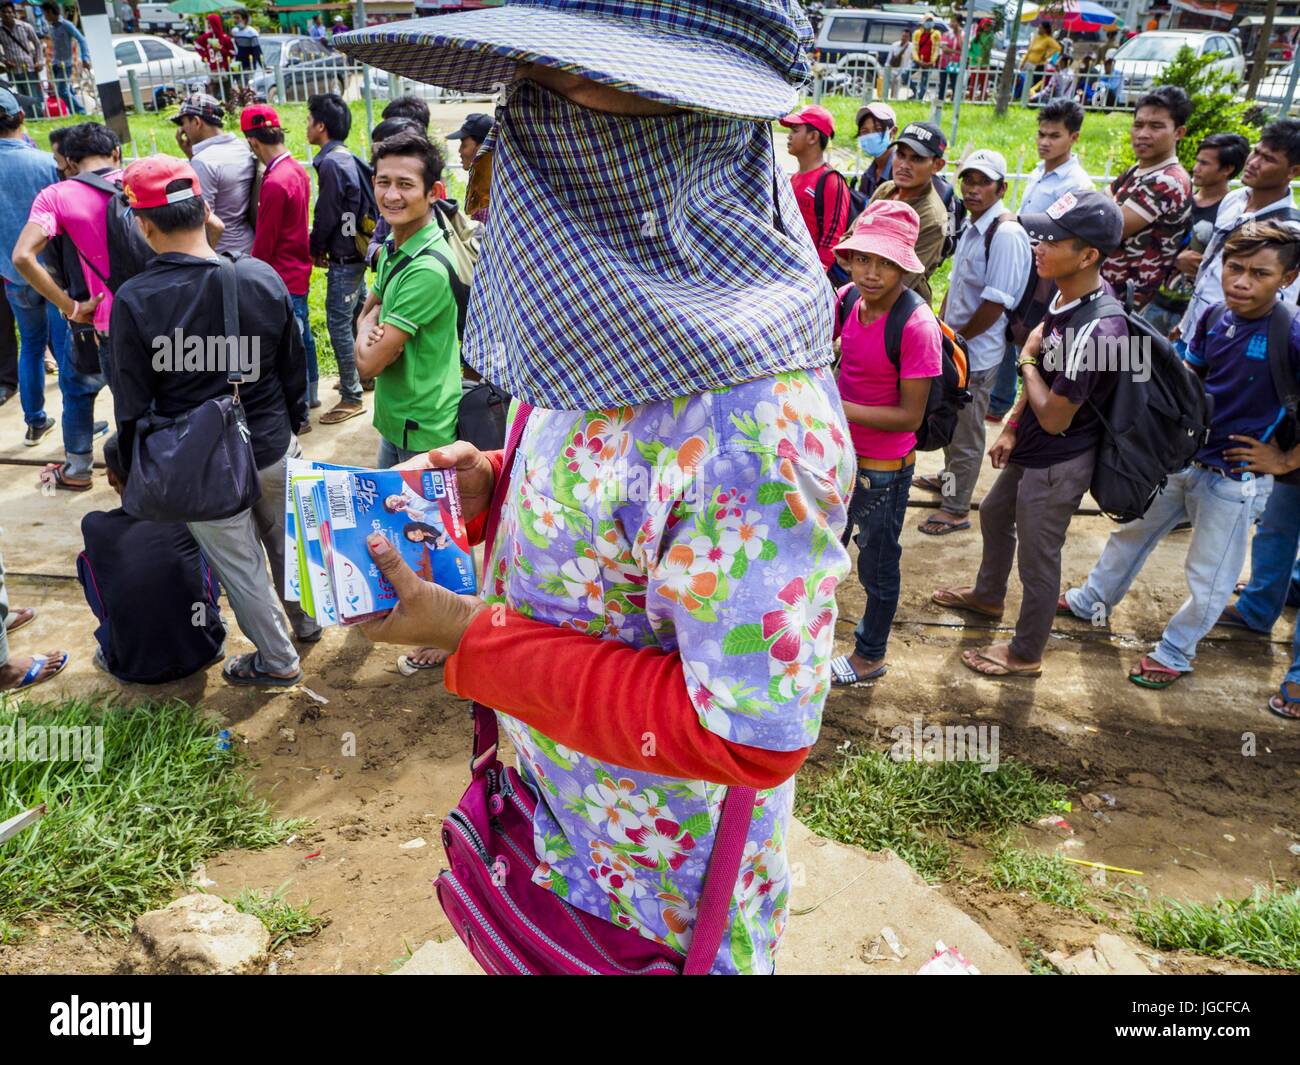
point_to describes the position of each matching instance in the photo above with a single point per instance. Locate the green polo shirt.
(417, 395)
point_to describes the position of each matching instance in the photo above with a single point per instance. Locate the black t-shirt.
(1204, 214)
(175, 303)
(1086, 370)
(143, 580)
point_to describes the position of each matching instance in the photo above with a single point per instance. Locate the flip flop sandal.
(960, 604)
(1277, 705)
(843, 673)
(14, 626)
(1147, 666)
(1232, 619)
(33, 675)
(1239, 587)
(341, 414)
(1002, 671)
(57, 475)
(239, 669)
(934, 527)
(409, 668)
(930, 484)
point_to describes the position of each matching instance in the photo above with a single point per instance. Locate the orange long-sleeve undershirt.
(602, 697)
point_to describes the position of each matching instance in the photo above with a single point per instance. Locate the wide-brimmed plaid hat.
(740, 58)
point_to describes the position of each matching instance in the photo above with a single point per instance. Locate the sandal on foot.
(930, 484)
(935, 527)
(240, 669)
(1146, 665)
(19, 618)
(842, 672)
(408, 667)
(1231, 619)
(34, 674)
(1278, 705)
(998, 670)
(952, 599)
(57, 474)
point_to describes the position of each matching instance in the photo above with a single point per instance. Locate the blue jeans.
(1159, 319)
(309, 342)
(1221, 512)
(876, 515)
(63, 86)
(1003, 396)
(1272, 559)
(345, 285)
(390, 454)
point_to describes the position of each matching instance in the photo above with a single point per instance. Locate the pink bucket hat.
(887, 228)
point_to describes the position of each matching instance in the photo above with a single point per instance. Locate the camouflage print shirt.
(1162, 194)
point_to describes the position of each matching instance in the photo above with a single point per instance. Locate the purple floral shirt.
(709, 525)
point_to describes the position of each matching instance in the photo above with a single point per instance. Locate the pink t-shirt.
(76, 209)
(868, 377)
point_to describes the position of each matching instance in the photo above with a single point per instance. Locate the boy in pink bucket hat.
(884, 393)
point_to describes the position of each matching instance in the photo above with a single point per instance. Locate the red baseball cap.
(818, 117)
(258, 116)
(145, 181)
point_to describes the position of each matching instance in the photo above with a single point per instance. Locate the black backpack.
(128, 251)
(956, 209)
(949, 392)
(64, 265)
(1151, 428)
(1025, 316)
(857, 204)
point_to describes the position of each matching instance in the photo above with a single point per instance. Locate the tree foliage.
(1216, 107)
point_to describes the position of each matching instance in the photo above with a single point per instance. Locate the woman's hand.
(474, 476)
(426, 615)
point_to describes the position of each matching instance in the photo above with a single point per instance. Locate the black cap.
(476, 126)
(1088, 215)
(925, 138)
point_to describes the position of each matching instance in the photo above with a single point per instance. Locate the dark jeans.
(8, 348)
(63, 87)
(876, 514)
(1003, 397)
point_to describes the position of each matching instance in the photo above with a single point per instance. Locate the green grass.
(121, 840)
(154, 133)
(874, 802)
(1046, 877)
(282, 919)
(1263, 929)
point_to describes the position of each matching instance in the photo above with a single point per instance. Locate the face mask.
(873, 144)
(629, 259)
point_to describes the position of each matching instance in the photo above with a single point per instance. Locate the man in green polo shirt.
(406, 338)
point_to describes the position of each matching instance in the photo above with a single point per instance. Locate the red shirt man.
(281, 236)
(821, 193)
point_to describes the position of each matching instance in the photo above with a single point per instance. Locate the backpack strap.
(1005, 216)
(899, 315)
(819, 198)
(844, 304)
(1279, 356)
(98, 181)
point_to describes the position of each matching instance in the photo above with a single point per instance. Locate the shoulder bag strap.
(484, 754)
(1279, 356)
(720, 880)
(230, 319)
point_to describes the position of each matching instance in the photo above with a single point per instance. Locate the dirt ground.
(1204, 782)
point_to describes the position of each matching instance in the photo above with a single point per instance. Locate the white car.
(1142, 57)
(156, 18)
(157, 64)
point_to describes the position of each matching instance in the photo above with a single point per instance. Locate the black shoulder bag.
(198, 466)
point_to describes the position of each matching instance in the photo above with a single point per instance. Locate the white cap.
(987, 162)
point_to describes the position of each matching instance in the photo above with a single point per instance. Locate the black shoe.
(6, 394)
(35, 432)
(98, 429)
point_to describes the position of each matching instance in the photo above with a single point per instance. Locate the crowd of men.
(110, 268)
(1213, 268)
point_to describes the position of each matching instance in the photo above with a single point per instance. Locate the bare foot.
(427, 656)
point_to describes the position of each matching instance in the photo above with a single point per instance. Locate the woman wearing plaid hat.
(657, 623)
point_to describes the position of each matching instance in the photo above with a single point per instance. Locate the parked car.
(1142, 57)
(309, 68)
(850, 31)
(157, 63)
(158, 18)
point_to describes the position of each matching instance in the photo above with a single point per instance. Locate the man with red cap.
(163, 361)
(820, 191)
(282, 234)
